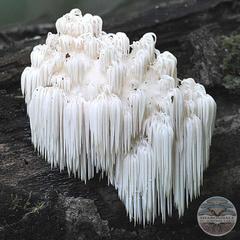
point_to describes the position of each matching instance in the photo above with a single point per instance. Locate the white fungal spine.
(97, 103)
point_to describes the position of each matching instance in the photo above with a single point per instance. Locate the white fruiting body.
(97, 103)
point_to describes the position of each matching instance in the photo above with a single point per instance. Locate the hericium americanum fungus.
(98, 103)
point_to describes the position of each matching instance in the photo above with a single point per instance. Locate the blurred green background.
(28, 11)
(42, 11)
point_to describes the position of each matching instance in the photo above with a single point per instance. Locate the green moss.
(38, 207)
(18, 203)
(231, 62)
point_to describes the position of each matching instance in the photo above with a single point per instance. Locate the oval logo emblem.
(217, 216)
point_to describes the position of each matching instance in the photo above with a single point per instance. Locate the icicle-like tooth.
(107, 56)
(140, 65)
(66, 43)
(30, 80)
(122, 43)
(137, 102)
(166, 83)
(132, 188)
(105, 120)
(116, 76)
(37, 55)
(24, 80)
(205, 109)
(166, 64)
(61, 81)
(75, 68)
(97, 25)
(92, 47)
(127, 131)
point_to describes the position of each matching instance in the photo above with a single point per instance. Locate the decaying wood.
(39, 203)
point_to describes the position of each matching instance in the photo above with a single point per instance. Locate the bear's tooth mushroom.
(98, 103)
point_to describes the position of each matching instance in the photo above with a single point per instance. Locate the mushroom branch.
(97, 103)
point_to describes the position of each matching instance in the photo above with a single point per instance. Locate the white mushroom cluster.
(97, 103)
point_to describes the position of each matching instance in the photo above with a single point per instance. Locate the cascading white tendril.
(97, 103)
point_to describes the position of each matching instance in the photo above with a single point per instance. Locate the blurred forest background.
(35, 11)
